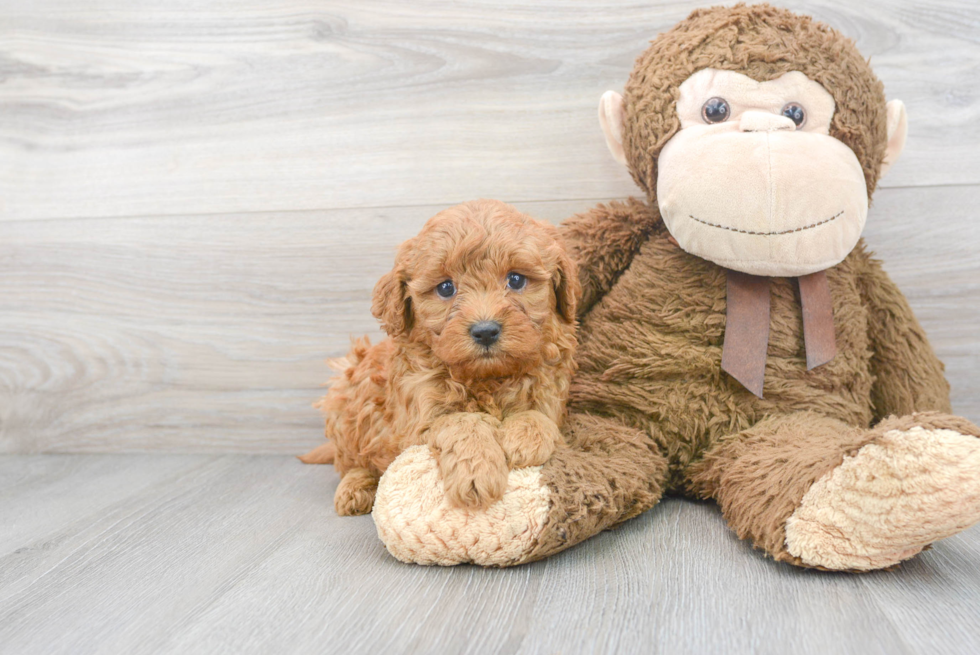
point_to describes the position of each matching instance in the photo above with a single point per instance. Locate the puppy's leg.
(529, 439)
(473, 467)
(355, 493)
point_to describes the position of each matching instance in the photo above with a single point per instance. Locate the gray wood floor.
(195, 203)
(243, 554)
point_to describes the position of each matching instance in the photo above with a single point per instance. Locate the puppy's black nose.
(485, 333)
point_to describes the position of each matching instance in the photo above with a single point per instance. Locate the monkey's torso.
(650, 354)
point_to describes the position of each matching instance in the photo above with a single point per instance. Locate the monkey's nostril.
(485, 333)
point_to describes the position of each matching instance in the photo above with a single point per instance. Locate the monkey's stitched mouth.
(769, 234)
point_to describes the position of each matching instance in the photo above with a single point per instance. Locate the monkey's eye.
(716, 110)
(516, 281)
(795, 112)
(446, 289)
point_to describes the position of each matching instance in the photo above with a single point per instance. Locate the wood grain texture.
(195, 203)
(179, 334)
(233, 554)
(120, 109)
(200, 323)
(212, 333)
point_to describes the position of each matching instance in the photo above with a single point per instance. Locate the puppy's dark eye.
(516, 281)
(446, 289)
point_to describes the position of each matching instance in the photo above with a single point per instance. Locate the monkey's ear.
(567, 287)
(898, 129)
(391, 304)
(611, 120)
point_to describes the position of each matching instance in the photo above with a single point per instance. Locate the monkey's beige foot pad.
(418, 525)
(901, 492)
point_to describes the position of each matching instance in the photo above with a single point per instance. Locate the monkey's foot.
(417, 523)
(914, 484)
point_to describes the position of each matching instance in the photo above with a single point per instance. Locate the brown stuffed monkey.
(737, 342)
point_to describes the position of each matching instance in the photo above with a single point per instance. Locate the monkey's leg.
(355, 493)
(607, 474)
(816, 492)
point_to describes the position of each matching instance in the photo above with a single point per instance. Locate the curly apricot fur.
(431, 383)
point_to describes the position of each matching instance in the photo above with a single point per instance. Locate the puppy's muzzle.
(485, 333)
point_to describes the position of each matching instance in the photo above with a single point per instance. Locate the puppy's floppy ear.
(391, 303)
(568, 290)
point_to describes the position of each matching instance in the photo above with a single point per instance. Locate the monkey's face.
(753, 181)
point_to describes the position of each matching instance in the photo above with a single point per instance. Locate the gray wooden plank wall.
(196, 200)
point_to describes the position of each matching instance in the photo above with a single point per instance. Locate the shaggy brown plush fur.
(482, 408)
(651, 409)
(610, 473)
(653, 316)
(650, 359)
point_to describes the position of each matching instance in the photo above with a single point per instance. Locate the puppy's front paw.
(475, 480)
(529, 439)
(473, 467)
(355, 493)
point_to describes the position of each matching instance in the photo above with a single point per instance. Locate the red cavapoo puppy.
(480, 311)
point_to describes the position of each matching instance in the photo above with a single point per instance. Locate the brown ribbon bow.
(743, 354)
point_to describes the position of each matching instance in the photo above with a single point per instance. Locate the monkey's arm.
(908, 375)
(603, 242)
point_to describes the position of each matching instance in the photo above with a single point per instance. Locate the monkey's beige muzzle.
(757, 196)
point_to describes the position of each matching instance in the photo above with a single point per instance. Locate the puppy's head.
(488, 289)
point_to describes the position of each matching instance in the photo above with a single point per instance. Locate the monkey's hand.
(472, 464)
